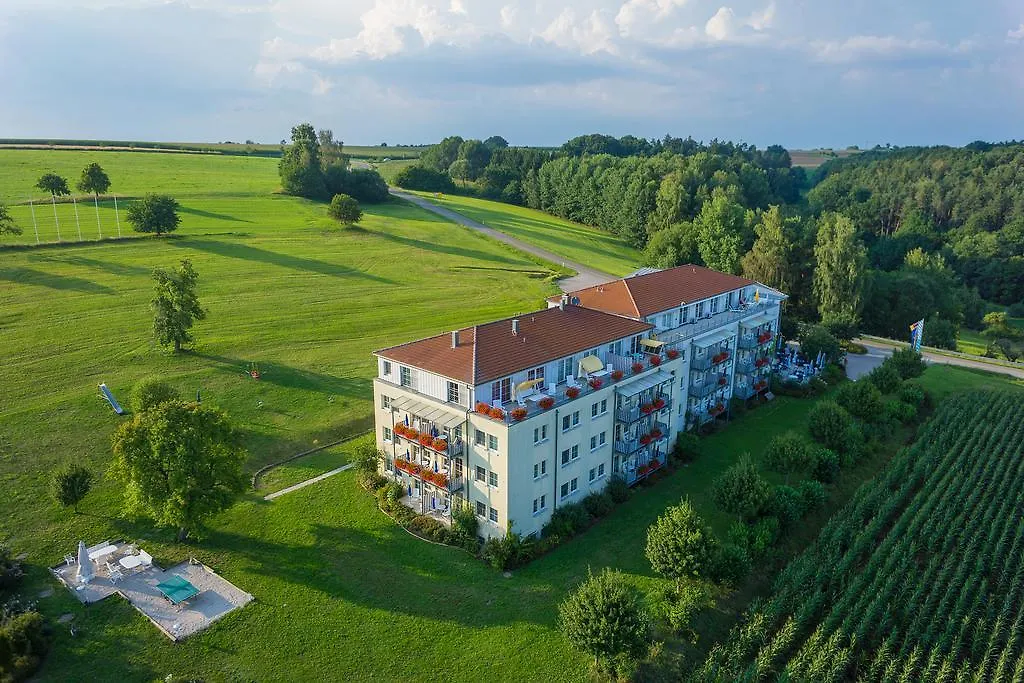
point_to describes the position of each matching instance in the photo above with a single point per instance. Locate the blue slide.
(111, 400)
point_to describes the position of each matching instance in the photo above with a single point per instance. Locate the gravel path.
(585, 275)
(303, 484)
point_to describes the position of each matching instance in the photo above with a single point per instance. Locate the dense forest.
(873, 241)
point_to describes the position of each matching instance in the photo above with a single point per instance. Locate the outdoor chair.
(570, 381)
(113, 573)
(69, 560)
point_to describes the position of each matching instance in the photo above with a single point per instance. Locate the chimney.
(455, 339)
(515, 326)
(563, 301)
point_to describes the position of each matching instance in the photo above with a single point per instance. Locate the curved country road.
(585, 275)
(879, 351)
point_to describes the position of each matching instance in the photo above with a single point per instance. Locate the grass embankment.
(580, 243)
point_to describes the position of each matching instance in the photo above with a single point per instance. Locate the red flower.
(642, 470)
(647, 408)
(722, 381)
(496, 413)
(412, 434)
(655, 464)
(546, 402)
(596, 383)
(672, 354)
(616, 375)
(645, 439)
(655, 361)
(572, 392)
(518, 414)
(439, 444)
(483, 408)
(426, 439)
(658, 403)
(638, 368)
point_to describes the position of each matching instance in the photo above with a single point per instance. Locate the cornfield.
(919, 578)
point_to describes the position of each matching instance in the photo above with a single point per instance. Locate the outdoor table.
(177, 589)
(130, 562)
(537, 397)
(102, 552)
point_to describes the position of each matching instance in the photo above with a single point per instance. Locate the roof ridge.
(476, 345)
(631, 299)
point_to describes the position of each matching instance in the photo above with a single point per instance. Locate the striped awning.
(439, 417)
(591, 364)
(652, 343)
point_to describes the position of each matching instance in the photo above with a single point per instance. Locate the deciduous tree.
(94, 180)
(345, 209)
(788, 454)
(679, 543)
(300, 167)
(7, 223)
(840, 260)
(154, 213)
(176, 305)
(720, 226)
(180, 463)
(770, 260)
(741, 490)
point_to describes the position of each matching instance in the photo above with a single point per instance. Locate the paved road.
(879, 351)
(585, 275)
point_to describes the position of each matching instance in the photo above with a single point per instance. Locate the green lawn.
(581, 243)
(312, 465)
(943, 380)
(971, 341)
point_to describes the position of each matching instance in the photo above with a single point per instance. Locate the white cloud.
(760, 21)
(635, 15)
(589, 35)
(885, 48)
(456, 7)
(508, 15)
(1016, 34)
(722, 25)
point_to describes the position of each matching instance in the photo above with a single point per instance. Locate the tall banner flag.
(916, 334)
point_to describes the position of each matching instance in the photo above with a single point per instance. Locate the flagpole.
(77, 222)
(35, 225)
(96, 203)
(53, 199)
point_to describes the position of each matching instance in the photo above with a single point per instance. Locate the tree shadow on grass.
(293, 378)
(210, 214)
(450, 250)
(257, 255)
(30, 276)
(113, 268)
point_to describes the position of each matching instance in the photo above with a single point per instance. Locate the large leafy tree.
(679, 543)
(176, 304)
(840, 260)
(300, 168)
(180, 463)
(345, 209)
(741, 489)
(771, 259)
(7, 223)
(604, 618)
(154, 213)
(94, 180)
(57, 186)
(720, 227)
(788, 454)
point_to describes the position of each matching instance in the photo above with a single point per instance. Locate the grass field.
(581, 243)
(812, 158)
(233, 148)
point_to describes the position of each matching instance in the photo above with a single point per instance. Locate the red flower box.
(638, 368)
(496, 413)
(656, 434)
(760, 362)
(572, 392)
(518, 414)
(645, 439)
(439, 444)
(655, 464)
(647, 408)
(760, 385)
(658, 403)
(655, 361)
(546, 402)
(483, 408)
(764, 338)
(725, 355)
(426, 440)
(722, 381)
(642, 470)
(672, 354)
(616, 375)
(595, 383)
(415, 469)
(411, 434)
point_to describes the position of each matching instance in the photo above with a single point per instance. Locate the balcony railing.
(440, 480)
(701, 363)
(703, 389)
(745, 366)
(743, 391)
(450, 449)
(698, 327)
(658, 403)
(747, 342)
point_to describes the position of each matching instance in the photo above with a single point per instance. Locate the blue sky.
(801, 73)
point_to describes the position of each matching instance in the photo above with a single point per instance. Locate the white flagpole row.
(35, 225)
(77, 222)
(96, 203)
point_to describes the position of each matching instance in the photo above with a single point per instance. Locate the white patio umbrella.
(85, 570)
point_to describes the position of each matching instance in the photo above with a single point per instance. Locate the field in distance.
(239, 148)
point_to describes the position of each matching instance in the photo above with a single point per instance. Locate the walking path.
(585, 275)
(303, 484)
(880, 349)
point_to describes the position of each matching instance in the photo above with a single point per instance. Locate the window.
(406, 376)
(634, 344)
(493, 515)
(501, 390)
(572, 485)
(385, 401)
(714, 305)
(540, 433)
(600, 470)
(539, 504)
(536, 373)
(599, 408)
(684, 313)
(570, 421)
(481, 473)
(492, 442)
(564, 490)
(564, 368)
(453, 392)
(481, 509)
(386, 367)
(570, 454)
(540, 469)
(493, 481)
(593, 473)
(700, 310)
(597, 441)
(480, 437)
(728, 300)
(568, 488)
(387, 434)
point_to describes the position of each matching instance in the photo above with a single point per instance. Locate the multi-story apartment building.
(518, 416)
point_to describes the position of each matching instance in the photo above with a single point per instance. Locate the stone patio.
(217, 597)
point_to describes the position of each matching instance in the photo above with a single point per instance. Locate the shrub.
(940, 333)
(389, 495)
(762, 536)
(618, 489)
(861, 399)
(24, 641)
(507, 552)
(885, 378)
(430, 528)
(687, 448)
(817, 386)
(731, 564)
(11, 572)
(149, 393)
(371, 481)
(842, 326)
(785, 504)
(679, 543)
(912, 394)
(813, 494)
(678, 604)
(464, 521)
(1016, 310)
(345, 209)
(598, 504)
(424, 179)
(363, 184)
(815, 339)
(368, 458)
(567, 521)
(825, 466)
(604, 619)
(900, 411)
(907, 362)
(829, 425)
(788, 454)
(70, 484)
(741, 490)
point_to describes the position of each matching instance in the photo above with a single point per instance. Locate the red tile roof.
(644, 295)
(490, 351)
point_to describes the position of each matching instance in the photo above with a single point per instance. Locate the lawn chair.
(69, 560)
(113, 573)
(570, 381)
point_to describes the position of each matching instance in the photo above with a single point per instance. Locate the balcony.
(628, 447)
(641, 467)
(629, 414)
(440, 444)
(743, 391)
(439, 479)
(700, 363)
(747, 342)
(745, 366)
(694, 328)
(703, 390)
